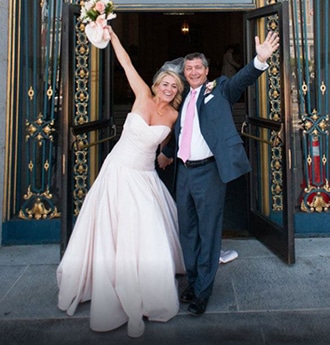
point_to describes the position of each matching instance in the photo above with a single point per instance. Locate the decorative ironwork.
(41, 206)
(313, 101)
(42, 28)
(274, 106)
(81, 99)
(304, 88)
(314, 199)
(276, 173)
(31, 93)
(323, 88)
(315, 140)
(40, 130)
(49, 92)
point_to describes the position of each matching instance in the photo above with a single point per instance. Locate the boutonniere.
(210, 86)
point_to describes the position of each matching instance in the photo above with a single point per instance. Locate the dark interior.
(153, 38)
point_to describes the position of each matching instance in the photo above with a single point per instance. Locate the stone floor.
(257, 299)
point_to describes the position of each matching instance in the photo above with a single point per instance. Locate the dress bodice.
(138, 143)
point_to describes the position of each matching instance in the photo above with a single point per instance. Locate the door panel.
(87, 129)
(268, 131)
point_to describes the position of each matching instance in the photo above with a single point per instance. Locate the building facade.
(291, 177)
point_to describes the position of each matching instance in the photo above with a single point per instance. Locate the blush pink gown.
(124, 251)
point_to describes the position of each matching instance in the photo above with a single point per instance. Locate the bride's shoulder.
(174, 113)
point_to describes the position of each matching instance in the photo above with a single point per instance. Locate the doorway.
(153, 38)
(148, 39)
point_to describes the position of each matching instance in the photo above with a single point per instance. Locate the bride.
(124, 251)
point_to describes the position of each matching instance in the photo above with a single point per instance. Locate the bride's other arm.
(139, 87)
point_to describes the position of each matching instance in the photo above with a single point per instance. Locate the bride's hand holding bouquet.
(95, 14)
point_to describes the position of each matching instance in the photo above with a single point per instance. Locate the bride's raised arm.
(137, 84)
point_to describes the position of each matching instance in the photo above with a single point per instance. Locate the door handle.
(79, 145)
(276, 140)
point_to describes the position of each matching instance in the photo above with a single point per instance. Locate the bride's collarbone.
(153, 118)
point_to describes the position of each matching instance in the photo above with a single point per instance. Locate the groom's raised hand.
(267, 48)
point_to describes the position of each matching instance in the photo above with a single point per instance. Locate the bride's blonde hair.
(179, 83)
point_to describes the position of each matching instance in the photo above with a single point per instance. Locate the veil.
(175, 65)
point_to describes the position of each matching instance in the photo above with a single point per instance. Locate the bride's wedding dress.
(124, 251)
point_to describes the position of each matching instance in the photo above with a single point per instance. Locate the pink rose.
(100, 7)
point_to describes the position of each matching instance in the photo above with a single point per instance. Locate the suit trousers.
(200, 197)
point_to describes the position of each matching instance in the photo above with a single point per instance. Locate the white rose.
(89, 5)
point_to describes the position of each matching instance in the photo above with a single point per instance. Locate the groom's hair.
(193, 56)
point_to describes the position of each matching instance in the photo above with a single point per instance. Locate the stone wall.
(3, 95)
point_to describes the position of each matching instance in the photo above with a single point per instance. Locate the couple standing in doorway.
(131, 238)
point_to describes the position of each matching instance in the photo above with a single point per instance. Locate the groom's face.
(195, 72)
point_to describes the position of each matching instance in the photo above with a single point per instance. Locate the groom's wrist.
(260, 65)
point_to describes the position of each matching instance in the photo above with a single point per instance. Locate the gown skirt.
(124, 251)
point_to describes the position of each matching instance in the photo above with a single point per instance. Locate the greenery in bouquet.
(95, 14)
(91, 10)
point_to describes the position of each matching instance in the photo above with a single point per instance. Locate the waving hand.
(267, 48)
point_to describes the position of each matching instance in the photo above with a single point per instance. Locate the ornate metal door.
(268, 128)
(311, 31)
(87, 127)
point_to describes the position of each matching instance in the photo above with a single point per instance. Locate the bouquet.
(96, 13)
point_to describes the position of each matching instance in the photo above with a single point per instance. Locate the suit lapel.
(178, 121)
(200, 99)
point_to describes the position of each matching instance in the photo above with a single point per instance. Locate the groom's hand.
(164, 161)
(267, 48)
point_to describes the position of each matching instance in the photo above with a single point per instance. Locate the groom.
(214, 156)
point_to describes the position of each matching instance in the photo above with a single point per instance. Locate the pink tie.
(184, 152)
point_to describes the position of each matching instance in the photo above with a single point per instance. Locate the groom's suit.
(217, 125)
(200, 190)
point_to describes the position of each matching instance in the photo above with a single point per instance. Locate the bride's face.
(167, 88)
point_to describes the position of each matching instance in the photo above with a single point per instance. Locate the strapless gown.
(124, 251)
